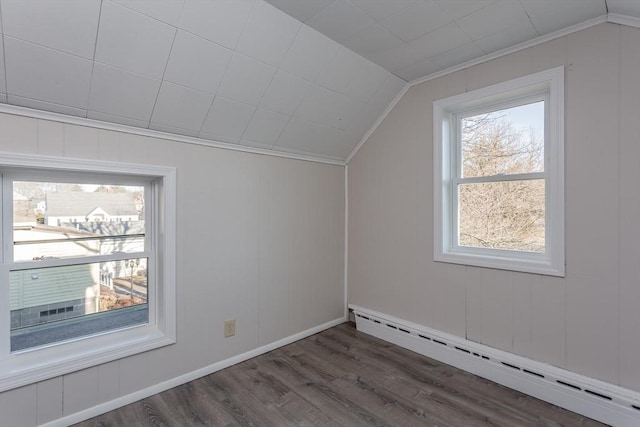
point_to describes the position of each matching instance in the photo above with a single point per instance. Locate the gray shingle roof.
(79, 203)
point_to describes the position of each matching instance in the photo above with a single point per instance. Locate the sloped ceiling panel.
(415, 38)
(234, 71)
(279, 75)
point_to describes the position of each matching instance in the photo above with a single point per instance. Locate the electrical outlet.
(229, 328)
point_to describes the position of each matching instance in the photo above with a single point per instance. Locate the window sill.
(36, 365)
(532, 264)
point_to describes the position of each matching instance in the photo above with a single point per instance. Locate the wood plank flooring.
(340, 377)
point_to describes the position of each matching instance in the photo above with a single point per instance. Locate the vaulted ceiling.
(415, 38)
(306, 76)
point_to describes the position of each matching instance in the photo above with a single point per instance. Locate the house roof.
(81, 204)
(311, 81)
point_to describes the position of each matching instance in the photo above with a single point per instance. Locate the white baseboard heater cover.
(592, 398)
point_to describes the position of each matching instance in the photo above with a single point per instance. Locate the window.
(88, 264)
(498, 176)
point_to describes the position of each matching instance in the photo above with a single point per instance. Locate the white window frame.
(32, 365)
(547, 85)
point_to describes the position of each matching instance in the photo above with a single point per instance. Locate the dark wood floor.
(340, 377)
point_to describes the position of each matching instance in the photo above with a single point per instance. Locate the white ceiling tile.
(441, 40)
(46, 106)
(345, 67)
(304, 137)
(493, 19)
(507, 38)
(181, 107)
(265, 127)
(134, 42)
(366, 86)
(285, 93)
(309, 52)
(172, 129)
(624, 7)
(328, 108)
(246, 80)
(551, 15)
(111, 118)
(380, 9)
(352, 75)
(386, 93)
(458, 55)
(69, 26)
(363, 122)
(341, 20)
(220, 21)
(119, 92)
(197, 63)
(227, 120)
(416, 20)
(421, 69)
(374, 38)
(43, 74)
(268, 34)
(301, 9)
(167, 11)
(397, 58)
(457, 9)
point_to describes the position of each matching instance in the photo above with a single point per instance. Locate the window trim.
(38, 364)
(445, 167)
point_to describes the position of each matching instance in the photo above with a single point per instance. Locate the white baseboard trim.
(174, 382)
(592, 398)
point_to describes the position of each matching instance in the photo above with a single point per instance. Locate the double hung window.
(498, 162)
(87, 264)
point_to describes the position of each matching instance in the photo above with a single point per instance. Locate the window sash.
(455, 140)
(8, 265)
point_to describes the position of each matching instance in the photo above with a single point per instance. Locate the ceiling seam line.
(143, 14)
(319, 12)
(166, 65)
(277, 67)
(4, 58)
(93, 60)
(244, 26)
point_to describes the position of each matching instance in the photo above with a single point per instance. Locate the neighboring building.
(40, 296)
(73, 207)
(22, 211)
(48, 294)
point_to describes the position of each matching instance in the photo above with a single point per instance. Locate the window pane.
(73, 220)
(503, 215)
(504, 142)
(54, 304)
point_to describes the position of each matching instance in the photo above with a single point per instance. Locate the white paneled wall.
(260, 240)
(588, 322)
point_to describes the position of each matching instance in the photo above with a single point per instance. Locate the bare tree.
(505, 214)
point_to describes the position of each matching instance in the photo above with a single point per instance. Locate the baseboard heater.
(592, 398)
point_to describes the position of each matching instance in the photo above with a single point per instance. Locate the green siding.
(52, 285)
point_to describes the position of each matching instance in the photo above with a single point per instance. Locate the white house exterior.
(74, 207)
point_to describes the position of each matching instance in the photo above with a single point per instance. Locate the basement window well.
(88, 256)
(498, 164)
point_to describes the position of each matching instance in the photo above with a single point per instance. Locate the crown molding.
(97, 124)
(521, 46)
(630, 21)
